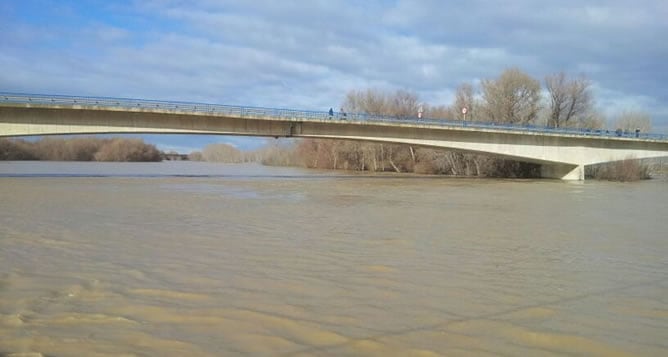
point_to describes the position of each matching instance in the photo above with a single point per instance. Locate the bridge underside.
(561, 156)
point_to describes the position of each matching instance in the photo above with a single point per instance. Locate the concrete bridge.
(563, 153)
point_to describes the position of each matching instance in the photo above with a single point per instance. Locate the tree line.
(79, 149)
(514, 97)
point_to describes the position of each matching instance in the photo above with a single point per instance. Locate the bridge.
(562, 152)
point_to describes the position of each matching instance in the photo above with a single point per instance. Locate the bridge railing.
(278, 113)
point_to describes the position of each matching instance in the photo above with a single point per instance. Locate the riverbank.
(317, 154)
(79, 149)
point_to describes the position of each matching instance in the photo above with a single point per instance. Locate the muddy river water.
(195, 259)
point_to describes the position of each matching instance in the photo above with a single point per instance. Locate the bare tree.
(120, 149)
(439, 112)
(570, 100)
(221, 153)
(17, 150)
(79, 149)
(512, 98)
(593, 120)
(464, 98)
(632, 120)
(372, 156)
(404, 104)
(370, 101)
(401, 103)
(196, 156)
(513, 87)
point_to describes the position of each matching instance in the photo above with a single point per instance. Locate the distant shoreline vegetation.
(401, 158)
(79, 149)
(311, 154)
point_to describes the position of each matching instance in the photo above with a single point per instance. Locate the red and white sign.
(464, 110)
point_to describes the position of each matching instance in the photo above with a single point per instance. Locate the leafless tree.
(372, 156)
(464, 98)
(625, 170)
(632, 120)
(593, 120)
(439, 112)
(514, 97)
(222, 153)
(79, 149)
(120, 149)
(17, 150)
(404, 104)
(370, 101)
(196, 156)
(570, 100)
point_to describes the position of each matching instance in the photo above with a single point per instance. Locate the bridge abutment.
(568, 172)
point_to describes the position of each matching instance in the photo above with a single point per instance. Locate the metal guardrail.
(255, 112)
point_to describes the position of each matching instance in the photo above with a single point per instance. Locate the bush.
(624, 171)
(425, 168)
(15, 150)
(79, 149)
(195, 156)
(222, 153)
(127, 150)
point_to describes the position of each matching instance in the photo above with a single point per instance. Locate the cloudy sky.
(308, 54)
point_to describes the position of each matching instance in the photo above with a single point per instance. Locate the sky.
(308, 54)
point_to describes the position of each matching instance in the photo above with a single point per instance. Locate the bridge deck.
(105, 103)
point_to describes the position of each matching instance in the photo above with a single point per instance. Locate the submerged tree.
(372, 156)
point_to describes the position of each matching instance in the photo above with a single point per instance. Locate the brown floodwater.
(194, 259)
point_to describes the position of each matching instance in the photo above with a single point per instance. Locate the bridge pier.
(568, 172)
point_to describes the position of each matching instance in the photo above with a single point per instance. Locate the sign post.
(464, 111)
(420, 111)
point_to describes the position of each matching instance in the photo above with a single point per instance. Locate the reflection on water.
(261, 261)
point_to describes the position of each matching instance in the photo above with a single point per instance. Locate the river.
(197, 259)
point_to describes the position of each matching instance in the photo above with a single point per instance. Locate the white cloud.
(308, 54)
